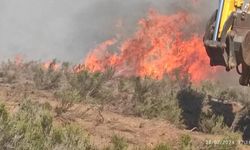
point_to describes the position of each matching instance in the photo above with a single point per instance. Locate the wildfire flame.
(18, 60)
(51, 65)
(100, 58)
(159, 47)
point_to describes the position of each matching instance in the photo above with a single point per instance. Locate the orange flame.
(19, 60)
(159, 47)
(51, 65)
(99, 59)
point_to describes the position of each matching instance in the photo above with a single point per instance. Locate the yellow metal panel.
(229, 7)
(238, 3)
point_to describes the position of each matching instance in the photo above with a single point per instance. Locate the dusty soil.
(101, 124)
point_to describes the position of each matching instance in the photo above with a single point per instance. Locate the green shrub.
(96, 88)
(156, 99)
(9, 72)
(3, 113)
(222, 92)
(47, 78)
(72, 137)
(86, 83)
(210, 123)
(143, 97)
(32, 128)
(46, 106)
(118, 143)
(66, 98)
(186, 142)
(162, 147)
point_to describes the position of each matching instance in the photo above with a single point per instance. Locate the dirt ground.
(101, 124)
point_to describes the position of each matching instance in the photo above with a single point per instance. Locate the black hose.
(238, 70)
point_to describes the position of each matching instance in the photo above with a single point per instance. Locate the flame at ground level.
(159, 47)
(51, 65)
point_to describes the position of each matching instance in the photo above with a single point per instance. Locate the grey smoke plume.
(68, 29)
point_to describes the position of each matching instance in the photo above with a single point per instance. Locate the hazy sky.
(68, 29)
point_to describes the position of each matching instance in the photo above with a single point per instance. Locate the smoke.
(67, 30)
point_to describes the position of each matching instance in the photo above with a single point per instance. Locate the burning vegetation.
(159, 47)
(150, 77)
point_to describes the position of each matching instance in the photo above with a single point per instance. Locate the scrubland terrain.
(56, 108)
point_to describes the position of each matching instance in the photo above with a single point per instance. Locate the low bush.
(119, 143)
(186, 142)
(32, 128)
(155, 99)
(67, 98)
(222, 93)
(47, 78)
(89, 84)
(9, 72)
(173, 99)
(85, 83)
(210, 123)
(162, 147)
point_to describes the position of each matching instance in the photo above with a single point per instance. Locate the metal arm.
(217, 23)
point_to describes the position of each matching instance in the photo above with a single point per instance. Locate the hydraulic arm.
(227, 37)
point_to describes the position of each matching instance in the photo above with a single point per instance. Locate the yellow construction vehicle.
(227, 37)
